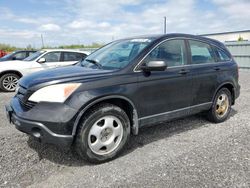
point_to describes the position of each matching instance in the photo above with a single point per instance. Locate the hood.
(59, 75)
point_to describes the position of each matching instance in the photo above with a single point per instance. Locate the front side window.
(201, 52)
(52, 57)
(172, 52)
(116, 55)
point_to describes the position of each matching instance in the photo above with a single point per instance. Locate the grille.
(23, 94)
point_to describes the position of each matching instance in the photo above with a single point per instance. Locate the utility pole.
(165, 25)
(42, 40)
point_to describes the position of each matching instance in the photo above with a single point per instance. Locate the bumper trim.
(38, 130)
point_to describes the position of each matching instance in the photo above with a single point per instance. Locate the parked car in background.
(2, 53)
(17, 55)
(125, 85)
(12, 71)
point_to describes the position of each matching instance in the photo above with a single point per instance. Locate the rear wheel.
(221, 108)
(8, 82)
(103, 133)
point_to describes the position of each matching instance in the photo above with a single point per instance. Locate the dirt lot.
(190, 152)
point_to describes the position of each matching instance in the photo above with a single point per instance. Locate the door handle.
(217, 68)
(184, 71)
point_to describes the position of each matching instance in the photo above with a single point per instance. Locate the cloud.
(50, 27)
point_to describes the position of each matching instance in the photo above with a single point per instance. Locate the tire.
(8, 82)
(219, 112)
(102, 133)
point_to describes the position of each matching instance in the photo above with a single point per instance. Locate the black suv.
(123, 86)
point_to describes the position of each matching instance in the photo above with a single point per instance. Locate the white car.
(12, 71)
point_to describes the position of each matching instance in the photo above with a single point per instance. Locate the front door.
(165, 94)
(52, 60)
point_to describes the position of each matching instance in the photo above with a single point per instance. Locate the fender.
(11, 71)
(218, 88)
(135, 125)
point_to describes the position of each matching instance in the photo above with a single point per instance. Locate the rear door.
(163, 94)
(203, 67)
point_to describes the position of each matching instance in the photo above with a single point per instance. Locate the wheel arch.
(230, 87)
(11, 72)
(123, 102)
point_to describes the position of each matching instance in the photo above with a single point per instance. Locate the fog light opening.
(36, 132)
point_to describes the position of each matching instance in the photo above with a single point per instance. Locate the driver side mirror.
(154, 66)
(41, 60)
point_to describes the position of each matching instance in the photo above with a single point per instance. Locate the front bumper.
(45, 125)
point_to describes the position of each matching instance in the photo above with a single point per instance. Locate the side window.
(201, 52)
(52, 56)
(29, 53)
(19, 55)
(80, 56)
(172, 52)
(72, 56)
(222, 56)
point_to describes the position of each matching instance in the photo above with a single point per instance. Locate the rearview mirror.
(154, 66)
(41, 60)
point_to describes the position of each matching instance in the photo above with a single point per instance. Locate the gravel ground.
(190, 152)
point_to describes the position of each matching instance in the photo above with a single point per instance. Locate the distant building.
(229, 36)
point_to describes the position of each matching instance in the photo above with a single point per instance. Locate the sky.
(63, 22)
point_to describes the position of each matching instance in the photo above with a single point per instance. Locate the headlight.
(54, 93)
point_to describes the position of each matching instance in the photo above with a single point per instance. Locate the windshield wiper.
(94, 62)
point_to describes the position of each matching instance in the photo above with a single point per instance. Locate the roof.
(66, 50)
(174, 35)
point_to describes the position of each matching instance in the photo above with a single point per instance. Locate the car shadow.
(147, 135)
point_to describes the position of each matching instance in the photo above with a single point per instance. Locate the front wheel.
(103, 133)
(8, 82)
(221, 107)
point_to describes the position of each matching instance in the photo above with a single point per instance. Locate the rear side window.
(222, 56)
(172, 52)
(73, 56)
(201, 52)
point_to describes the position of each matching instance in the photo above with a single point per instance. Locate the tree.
(240, 38)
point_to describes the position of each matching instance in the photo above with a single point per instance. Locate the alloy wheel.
(105, 135)
(222, 105)
(10, 83)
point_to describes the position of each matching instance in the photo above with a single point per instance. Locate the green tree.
(240, 38)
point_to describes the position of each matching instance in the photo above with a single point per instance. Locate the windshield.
(33, 56)
(116, 55)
